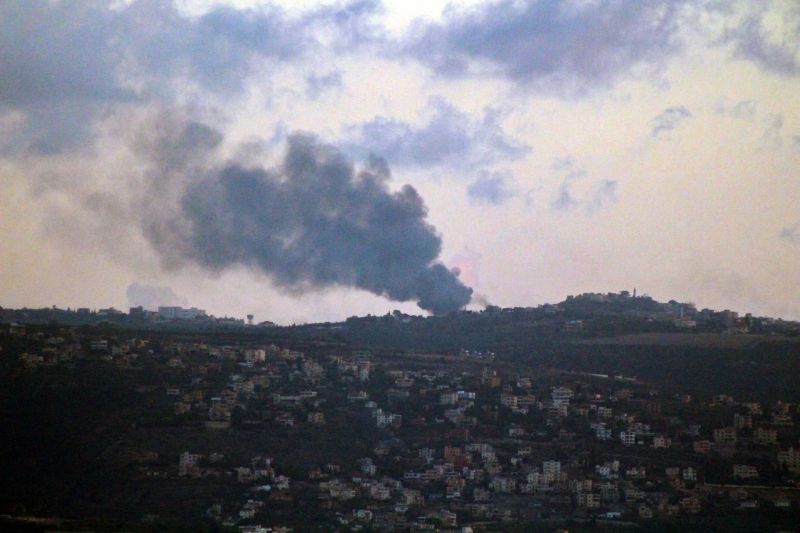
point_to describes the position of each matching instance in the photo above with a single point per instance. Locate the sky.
(308, 161)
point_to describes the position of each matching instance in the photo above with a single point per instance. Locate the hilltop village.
(116, 428)
(576, 314)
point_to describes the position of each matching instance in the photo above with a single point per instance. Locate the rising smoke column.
(315, 222)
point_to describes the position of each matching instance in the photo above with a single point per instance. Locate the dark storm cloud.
(444, 134)
(669, 119)
(349, 25)
(553, 45)
(177, 151)
(173, 143)
(492, 188)
(57, 68)
(601, 193)
(312, 223)
(215, 49)
(51, 48)
(63, 63)
(318, 84)
(779, 54)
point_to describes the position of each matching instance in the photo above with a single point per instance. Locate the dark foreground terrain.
(505, 420)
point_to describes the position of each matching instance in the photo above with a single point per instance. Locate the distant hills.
(587, 315)
(666, 343)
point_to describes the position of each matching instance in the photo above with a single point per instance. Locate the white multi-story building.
(790, 459)
(628, 438)
(188, 464)
(660, 441)
(725, 435)
(448, 398)
(745, 472)
(179, 313)
(383, 420)
(561, 395)
(551, 468)
(364, 370)
(601, 431)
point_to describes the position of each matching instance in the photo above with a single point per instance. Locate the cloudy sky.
(308, 161)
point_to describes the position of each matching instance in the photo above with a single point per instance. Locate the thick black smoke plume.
(316, 222)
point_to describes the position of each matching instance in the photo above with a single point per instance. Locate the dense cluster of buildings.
(445, 442)
(136, 316)
(682, 315)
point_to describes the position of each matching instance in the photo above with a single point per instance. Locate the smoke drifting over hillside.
(313, 222)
